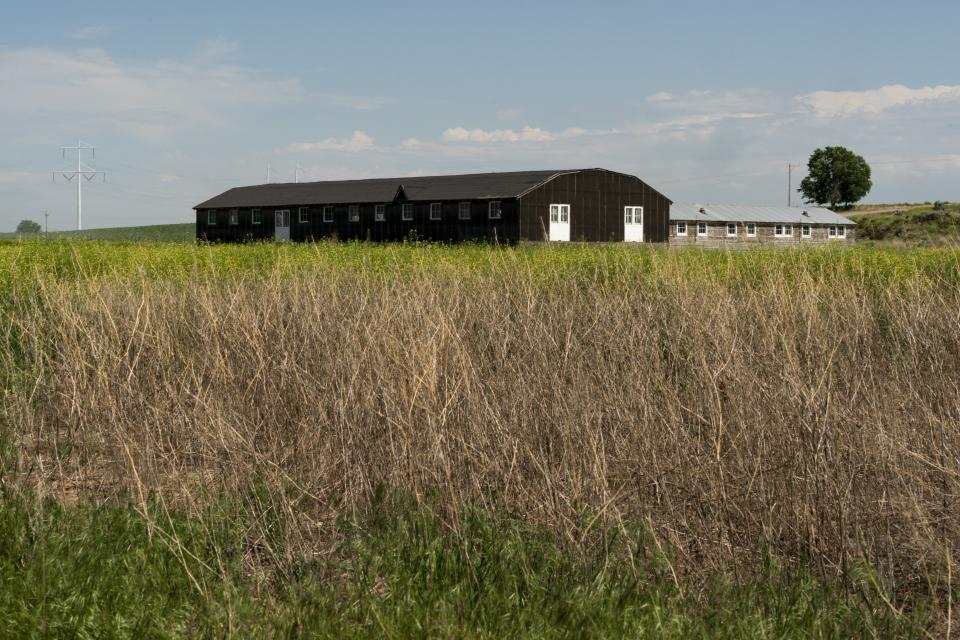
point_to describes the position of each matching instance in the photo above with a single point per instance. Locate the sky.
(708, 102)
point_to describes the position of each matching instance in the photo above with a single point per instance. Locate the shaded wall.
(448, 229)
(597, 198)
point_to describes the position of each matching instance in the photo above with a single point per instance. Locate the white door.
(560, 223)
(281, 225)
(633, 224)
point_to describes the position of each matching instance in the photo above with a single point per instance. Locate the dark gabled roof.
(473, 186)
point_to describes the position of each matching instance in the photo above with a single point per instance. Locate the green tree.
(28, 226)
(836, 176)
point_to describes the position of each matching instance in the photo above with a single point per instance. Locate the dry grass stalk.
(817, 421)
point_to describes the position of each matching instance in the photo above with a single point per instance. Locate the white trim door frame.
(281, 225)
(559, 223)
(633, 224)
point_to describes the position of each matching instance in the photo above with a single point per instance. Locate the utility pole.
(296, 173)
(790, 166)
(789, 184)
(46, 216)
(83, 172)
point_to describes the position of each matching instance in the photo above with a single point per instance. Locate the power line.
(943, 158)
(83, 172)
(713, 177)
(124, 167)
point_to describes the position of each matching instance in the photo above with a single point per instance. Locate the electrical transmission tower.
(82, 172)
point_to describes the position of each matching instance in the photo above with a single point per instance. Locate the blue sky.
(706, 101)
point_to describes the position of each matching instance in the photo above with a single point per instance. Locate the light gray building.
(745, 226)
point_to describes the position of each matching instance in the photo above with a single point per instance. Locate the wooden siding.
(448, 229)
(223, 231)
(597, 199)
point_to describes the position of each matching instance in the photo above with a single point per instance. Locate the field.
(185, 232)
(337, 440)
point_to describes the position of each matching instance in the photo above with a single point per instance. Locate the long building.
(744, 226)
(560, 205)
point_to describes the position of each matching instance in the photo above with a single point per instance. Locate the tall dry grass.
(814, 420)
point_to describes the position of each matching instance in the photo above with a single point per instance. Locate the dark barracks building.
(578, 205)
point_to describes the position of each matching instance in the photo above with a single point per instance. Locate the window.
(783, 231)
(493, 210)
(436, 211)
(681, 228)
(234, 217)
(354, 213)
(380, 212)
(841, 232)
(211, 217)
(751, 230)
(805, 230)
(407, 211)
(559, 213)
(464, 210)
(304, 215)
(832, 232)
(701, 228)
(328, 214)
(731, 229)
(633, 215)
(256, 217)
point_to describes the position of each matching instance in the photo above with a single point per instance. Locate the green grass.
(25, 263)
(108, 570)
(84, 571)
(153, 233)
(924, 225)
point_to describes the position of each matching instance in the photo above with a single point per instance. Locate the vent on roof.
(702, 210)
(805, 213)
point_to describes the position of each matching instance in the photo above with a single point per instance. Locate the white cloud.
(661, 97)
(526, 134)
(361, 103)
(713, 101)
(834, 104)
(217, 47)
(359, 141)
(148, 101)
(696, 127)
(89, 33)
(699, 115)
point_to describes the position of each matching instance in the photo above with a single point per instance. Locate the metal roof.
(474, 186)
(736, 213)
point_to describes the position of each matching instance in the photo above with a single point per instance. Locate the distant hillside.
(885, 208)
(916, 224)
(154, 233)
